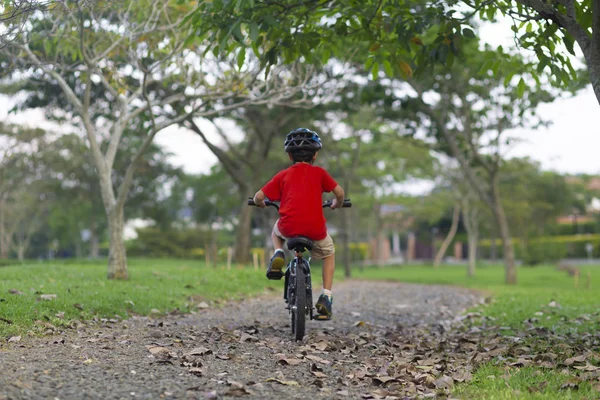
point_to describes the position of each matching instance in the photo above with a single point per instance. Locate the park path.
(386, 341)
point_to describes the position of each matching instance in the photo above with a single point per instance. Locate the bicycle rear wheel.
(299, 305)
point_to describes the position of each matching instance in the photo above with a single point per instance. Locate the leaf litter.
(425, 356)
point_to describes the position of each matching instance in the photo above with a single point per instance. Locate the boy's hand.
(259, 199)
(335, 204)
(338, 202)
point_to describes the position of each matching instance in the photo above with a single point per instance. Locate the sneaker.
(276, 265)
(324, 308)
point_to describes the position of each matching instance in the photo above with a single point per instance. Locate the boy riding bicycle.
(299, 189)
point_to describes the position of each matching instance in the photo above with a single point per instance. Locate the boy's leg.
(278, 260)
(325, 250)
(328, 270)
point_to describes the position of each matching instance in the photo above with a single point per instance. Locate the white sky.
(569, 145)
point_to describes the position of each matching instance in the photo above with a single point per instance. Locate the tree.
(449, 237)
(543, 26)
(247, 162)
(402, 36)
(15, 13)
(144, 76)
(470, 119)
(19, 165)
(372, 158)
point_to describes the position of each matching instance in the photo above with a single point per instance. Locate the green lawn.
(511, 306)
(82, 292)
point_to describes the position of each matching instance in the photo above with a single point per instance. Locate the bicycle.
(297, 290)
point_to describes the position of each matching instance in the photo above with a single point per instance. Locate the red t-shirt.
(300, 190)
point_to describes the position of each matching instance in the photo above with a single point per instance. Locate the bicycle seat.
(300, 243)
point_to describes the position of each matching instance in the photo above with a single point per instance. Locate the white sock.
(276, 250)
(327, 293)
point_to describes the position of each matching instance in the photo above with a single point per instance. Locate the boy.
(299, 189)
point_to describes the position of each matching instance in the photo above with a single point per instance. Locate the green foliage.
(401, 36)
(172, 243)
(547, 249)
(544, 33)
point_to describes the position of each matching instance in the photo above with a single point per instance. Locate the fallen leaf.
(60, 315)
(576, 359)
(318, 374)
(342, 393)
(588, 368)
(248, 338)
(195, 371)
(237, 392)
(288, 361)
(444, 382)
(78, 306)
(202, 305)
(318, 359)
(321, 346)
(47, 297)
(88, 361)
(14, 339)
(199, 351)
(521, 362)
(15, 291)
(283, 382)
(223, 357)
(383, 380)
(462, 376)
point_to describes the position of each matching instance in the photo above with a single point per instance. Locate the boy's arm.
(338, 202)
(259, 199)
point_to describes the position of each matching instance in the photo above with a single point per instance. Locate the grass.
(166, 285)
(511, 306)
(82, 290)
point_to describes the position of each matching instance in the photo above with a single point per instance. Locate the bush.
(152, 242)
(547, 248)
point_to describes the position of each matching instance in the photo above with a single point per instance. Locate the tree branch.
(69, 93)
(567, 22)
(233, 169)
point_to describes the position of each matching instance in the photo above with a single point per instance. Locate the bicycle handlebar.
(347, 203)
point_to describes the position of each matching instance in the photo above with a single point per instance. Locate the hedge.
(546, 249)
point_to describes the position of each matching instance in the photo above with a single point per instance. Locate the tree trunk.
(346, 244)
(3, 244)
(493, 249)
(473, 238)
(78, 249)
(94, 240)
(592, 53)
(20, 248)
(117, 258)
(453, 228)
(242, 242)
(510, 269)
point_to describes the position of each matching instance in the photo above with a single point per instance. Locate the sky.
(570, 145)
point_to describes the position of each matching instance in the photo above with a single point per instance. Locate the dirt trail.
(380, 331)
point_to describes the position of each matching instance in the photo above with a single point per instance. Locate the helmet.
(302, 140)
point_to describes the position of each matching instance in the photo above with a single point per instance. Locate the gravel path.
(240, 350)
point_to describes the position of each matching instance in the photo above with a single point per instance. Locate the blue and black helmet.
(302, 140)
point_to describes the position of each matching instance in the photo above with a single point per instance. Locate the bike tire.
(299, 315)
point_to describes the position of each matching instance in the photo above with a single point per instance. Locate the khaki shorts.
(321, 249)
